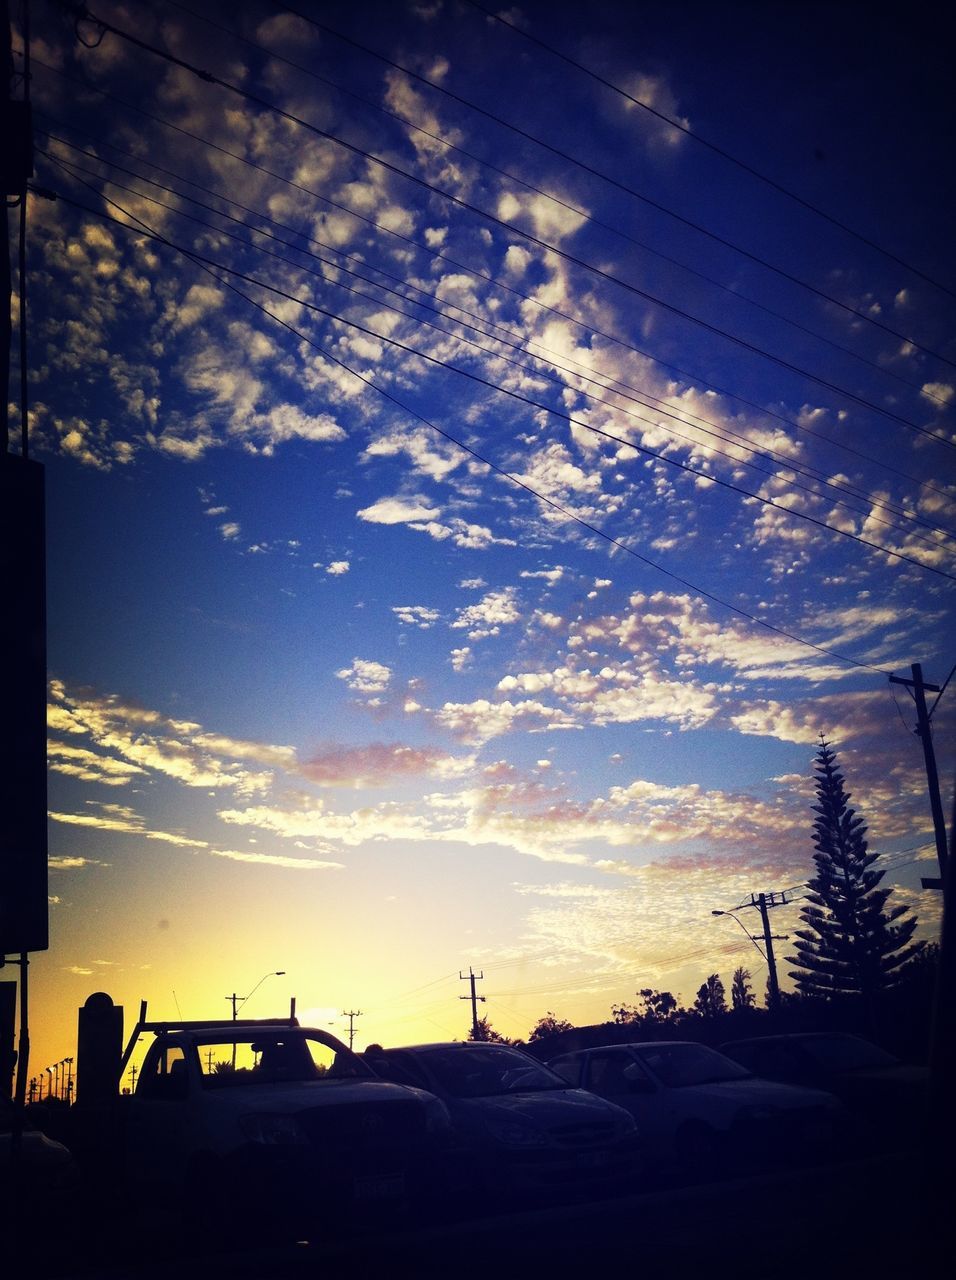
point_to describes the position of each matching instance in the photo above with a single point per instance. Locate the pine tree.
(852, 945)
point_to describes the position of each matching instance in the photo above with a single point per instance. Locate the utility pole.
(773, 991)
(918, 687)
(473, 977)
(763, 902)
(351, 1014)
(234, 999)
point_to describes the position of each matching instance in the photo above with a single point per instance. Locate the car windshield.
(847, 1053)
(254, 1057)
(486, 1071)
(680, 1065)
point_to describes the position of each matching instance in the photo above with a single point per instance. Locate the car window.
(568, 1069)
(846, 1053)
(255, 1058)
(777, 1060)
(485, 1071)
(678, 1066)
(400, 1069)
(164, 1076)
(613, 1072)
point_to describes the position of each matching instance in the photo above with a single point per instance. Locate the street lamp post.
(773, 986)
(49, 1083)
(277, 973)
(745, 929)
(273, 973)
(69, 1080)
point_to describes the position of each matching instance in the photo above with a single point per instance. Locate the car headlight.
(512, 1134)
(273, 1129)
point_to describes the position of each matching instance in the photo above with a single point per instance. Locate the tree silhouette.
(483, 1030)
(741, 995)
(711, 998)
(657, 1008)
(852, 944)
(549, 1025)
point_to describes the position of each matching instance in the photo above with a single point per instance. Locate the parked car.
(520, 1129)
(887, 1096)
(698, 1110)
(41, 1162)
(277, 1124)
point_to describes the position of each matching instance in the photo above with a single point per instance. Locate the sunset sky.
(457, 562)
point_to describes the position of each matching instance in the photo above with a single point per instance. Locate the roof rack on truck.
(163, 1027)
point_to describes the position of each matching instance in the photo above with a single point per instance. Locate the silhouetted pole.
(6, 329)
(763, 902)
(924, 733)
(351, 1014)
(473, 997)
(273, 973)
(941, 1109)
(773, 986)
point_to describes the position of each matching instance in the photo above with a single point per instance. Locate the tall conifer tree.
(853, 944)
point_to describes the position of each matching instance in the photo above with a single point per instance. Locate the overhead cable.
(458, 201)
(505, 20)
(496, 283)
(702, 425)
(734, 292)
(587, 168)
(624, 547)
(536, 404)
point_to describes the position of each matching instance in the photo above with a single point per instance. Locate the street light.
(274, 973)
(277, 973)
(69, 1079)
(49, 1083)
(745, 929)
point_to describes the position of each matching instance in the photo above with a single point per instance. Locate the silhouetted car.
(886, 1095)
(521, 1130)
(698, 1110)
(250, 1119)
(42, 1162)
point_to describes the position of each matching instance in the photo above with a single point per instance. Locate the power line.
(505, 21)
(935, 543)
(615, 182)
(536, 404)
(488, 278)
(737, 294)
(459, 202)
(732, 439)
(550, 502)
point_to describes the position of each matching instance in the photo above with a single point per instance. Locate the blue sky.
(379, 650)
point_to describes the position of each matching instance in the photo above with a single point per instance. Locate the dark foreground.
(884, 1216)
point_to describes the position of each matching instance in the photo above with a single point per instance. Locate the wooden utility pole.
(919, 687)
(351, 1014)
(763, 902)
(473, 977)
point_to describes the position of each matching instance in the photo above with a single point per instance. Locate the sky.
(483, 455)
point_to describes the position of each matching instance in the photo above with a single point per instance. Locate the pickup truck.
(277, 1124)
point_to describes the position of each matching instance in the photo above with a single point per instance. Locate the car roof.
(240, 1030)
(791, 1037)
(449, 1044)
(632, 1044)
